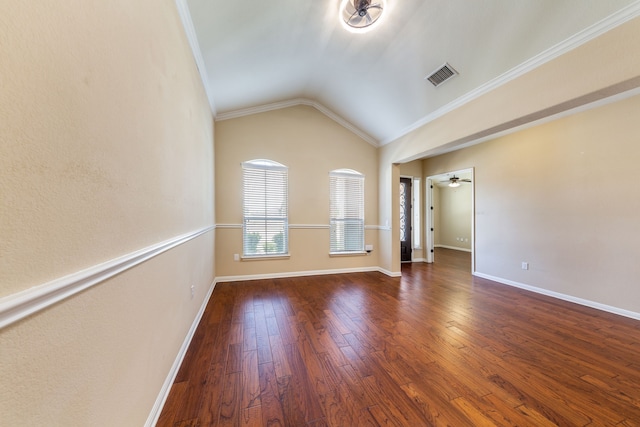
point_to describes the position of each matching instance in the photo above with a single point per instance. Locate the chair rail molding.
(24, 303)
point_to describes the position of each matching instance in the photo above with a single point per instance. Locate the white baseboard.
(455, 248)
(304, 273)
(173, 372)
(419, 260)
(570, 298)
(389, 273)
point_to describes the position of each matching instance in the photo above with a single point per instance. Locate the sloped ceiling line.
(299, 101)
(187, 23)
(621, 16)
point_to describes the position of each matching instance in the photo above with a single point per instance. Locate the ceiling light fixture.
(360, 16)
(454, 184)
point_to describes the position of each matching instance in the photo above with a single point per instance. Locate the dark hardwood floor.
(437, 347)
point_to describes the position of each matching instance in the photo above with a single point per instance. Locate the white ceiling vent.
(442, 74)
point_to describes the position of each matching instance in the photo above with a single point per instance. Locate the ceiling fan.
(454, 181)
(360, 14)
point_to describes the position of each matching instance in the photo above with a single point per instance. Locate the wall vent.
(441, 75)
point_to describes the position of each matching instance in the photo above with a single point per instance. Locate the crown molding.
(620, 17)
(190, 32)
(295, 102)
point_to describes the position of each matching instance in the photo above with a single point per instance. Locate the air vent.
(441, 75)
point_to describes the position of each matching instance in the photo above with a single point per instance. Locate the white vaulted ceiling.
(260, 52)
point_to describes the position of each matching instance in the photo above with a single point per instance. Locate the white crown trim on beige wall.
(292, 103)
(590, 33)
(192, 38)
(22, 304)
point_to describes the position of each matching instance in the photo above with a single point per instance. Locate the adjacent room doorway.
(450, 213)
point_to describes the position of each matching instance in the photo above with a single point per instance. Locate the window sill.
(341, 254)
(264, 257)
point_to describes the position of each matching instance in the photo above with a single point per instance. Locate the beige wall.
(106, 147)
(454, 217)
(606, 65)
(311, 145)
(562, 197)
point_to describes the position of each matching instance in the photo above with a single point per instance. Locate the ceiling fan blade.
(464, 180)
(368, 18)
(354, 19)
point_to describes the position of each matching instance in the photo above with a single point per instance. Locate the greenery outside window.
(265, 225)
(346, 211)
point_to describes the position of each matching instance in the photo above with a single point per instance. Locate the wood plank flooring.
(437, 347)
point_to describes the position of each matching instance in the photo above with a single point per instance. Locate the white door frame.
(430, 241)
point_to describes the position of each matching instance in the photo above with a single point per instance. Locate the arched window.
(346, 188)
(265, 225)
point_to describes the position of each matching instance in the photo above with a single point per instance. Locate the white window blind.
(346, 211)
(265, 226)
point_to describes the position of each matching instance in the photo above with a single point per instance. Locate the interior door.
(405, 219)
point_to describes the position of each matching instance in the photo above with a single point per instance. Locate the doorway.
(450, 213)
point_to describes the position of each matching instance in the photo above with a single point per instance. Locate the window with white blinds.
(346, 211)
(265, 225)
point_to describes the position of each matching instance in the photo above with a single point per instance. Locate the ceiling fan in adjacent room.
(454, 181)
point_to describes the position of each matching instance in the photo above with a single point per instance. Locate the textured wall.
(106, 147)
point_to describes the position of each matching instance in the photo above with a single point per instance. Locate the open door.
(437, 235)
(405, 220)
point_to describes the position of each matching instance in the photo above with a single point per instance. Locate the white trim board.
(282, 275)
(24, 303)
(173, 372)
(302, 226)
(455, 248)
(564, 297)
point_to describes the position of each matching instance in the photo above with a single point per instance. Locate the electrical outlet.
(193, 291)
(236, 257)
